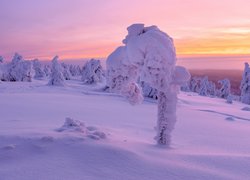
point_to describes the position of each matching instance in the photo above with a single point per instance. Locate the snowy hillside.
(115, 139)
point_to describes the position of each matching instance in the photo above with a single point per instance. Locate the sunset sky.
(94, 28)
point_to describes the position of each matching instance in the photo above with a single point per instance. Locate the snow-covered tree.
(207, 88)
(56, 78)
(39, 72)
(186, 87)
(75, 70)
(72, 70)
(211, 88)
(92, 72)
(151, 53)
(204, 84)
(1, 59)
(65, 71)
(225, 89)
(47, 70)
(2, 66)
(195, 84)
(245, 85)
(18, 70)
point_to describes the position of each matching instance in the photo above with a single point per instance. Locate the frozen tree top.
(153, 52)
(17, 57)
(55, 58)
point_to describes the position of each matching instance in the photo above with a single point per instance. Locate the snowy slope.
(210, 141)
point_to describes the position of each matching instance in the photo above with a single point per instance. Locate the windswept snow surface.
(210, 140)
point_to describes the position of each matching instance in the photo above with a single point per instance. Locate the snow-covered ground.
(211, 139)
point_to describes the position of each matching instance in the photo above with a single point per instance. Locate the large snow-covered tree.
(56, 77)
(151, 54)
(245, 85)
(92, 72)
(225, 89)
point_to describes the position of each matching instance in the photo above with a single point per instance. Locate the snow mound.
(92, 132)
(245, 109)
(9, 147)
(230, 118)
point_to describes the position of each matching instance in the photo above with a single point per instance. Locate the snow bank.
(205, 144)
(71, 125)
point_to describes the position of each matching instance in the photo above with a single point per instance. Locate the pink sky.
(94, 28)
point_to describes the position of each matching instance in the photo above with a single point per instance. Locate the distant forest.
(234, 76)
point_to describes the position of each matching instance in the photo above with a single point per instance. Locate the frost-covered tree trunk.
(166, 116)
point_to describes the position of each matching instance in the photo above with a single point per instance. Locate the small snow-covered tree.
(195, 84)
(72, 70)
(75, 70)
(65, 71)
(207, 88)
(2, 66)
(56, 77)
(152, 55)
(225, 89)
(211, 88)
(37, 66)
(1, 59)
(92, 72)
(245, 85)
(204, 84)
(47, 70)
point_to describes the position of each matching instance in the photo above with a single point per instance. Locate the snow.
(210, 140)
